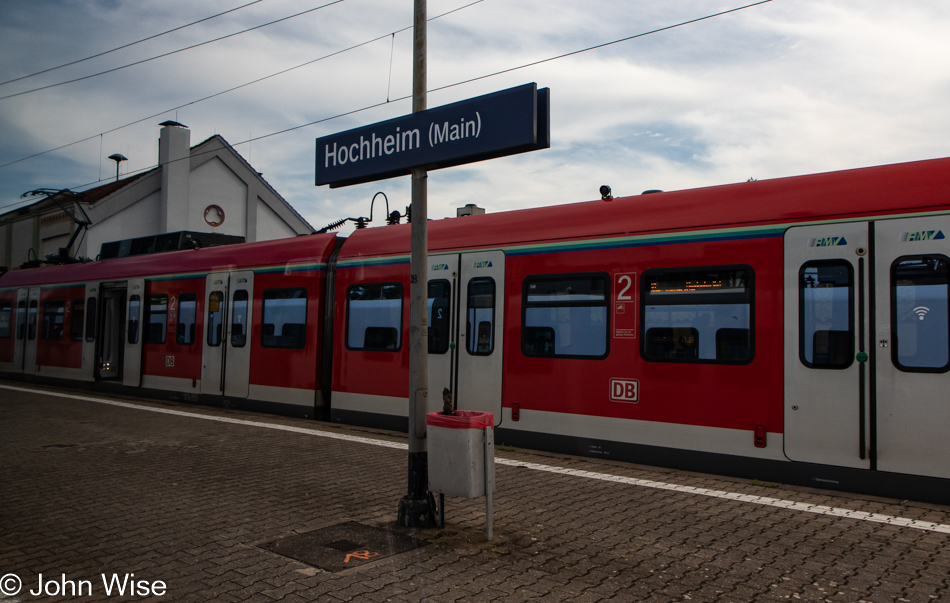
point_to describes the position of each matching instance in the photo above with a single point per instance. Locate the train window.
(76, 319)
(919, 314)
(156, 318)
(187, 319)
(565, 316)
(239, 319)
(826, 299)
(284, 322)
(702, 315)
(440, 293)
(374, 317)
(6, 317)
(90, 319)
(215, 317)
(54, 319)
(135, 310)
(31, 320)
(480, 327)
(21, 319)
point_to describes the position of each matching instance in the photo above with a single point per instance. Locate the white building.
(208, 188)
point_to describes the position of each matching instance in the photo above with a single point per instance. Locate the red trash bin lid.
(462, 419)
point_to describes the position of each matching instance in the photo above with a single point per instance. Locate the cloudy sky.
(783, 88)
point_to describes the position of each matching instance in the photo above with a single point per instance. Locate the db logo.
(624, 390)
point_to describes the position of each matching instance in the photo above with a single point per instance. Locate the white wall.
(22, 241)
(137, 220)
(213, 183)
(269, 225)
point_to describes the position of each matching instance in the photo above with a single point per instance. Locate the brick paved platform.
(184, 498)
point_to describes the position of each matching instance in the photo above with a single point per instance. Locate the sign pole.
(416, 508)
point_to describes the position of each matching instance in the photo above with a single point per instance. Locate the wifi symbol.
(921, 311)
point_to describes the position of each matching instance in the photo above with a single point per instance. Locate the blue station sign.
(502, 123)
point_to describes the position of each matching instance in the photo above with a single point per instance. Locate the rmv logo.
(923, 235)
(440, 267)
(828, 242)
(625, 390)
(483, 264)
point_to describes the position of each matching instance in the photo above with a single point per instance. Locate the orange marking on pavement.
(364, 555)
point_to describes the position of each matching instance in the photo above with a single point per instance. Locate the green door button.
(861, 357)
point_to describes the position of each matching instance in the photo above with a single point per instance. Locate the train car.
(794, 329)
(228, 324)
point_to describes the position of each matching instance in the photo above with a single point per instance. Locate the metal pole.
(417, 508)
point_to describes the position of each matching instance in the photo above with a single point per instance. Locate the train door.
(912, 345)
(465, 325)
(110, 347)
(90, 317)
(826, 344)
(132, 365)
(442, 326)
(226, 355)
(32, 331)
(26, 316)
(481, 327)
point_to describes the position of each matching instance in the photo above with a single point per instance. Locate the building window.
(565, 316)
(374, 317)
(699, 315)
(284, 323)
(919, 321)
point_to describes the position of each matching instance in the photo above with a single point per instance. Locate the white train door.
(25, 325)
(481, 329)
(465, 326)
(132, 365)
(912, 346)
(826, 332)
(867, 334)
(32, 331)
(442, 327)
(226, 355)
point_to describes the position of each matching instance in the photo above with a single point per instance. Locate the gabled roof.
(93, 195)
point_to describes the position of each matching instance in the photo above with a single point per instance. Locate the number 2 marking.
(622, 296)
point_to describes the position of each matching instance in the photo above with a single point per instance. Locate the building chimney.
(174, 159)
(470, 209)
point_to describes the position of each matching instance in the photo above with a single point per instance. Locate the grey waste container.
(457, 453)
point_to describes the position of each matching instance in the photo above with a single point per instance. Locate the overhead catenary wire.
(470, 80)
(160, 56)
(238, 87)
(130, 44)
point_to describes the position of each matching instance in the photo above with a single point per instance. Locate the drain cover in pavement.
(340, 547)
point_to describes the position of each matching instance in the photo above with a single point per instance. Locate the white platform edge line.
(631, 481)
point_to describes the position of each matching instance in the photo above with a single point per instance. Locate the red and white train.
(792, 330)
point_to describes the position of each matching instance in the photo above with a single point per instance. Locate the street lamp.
(118, 158)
